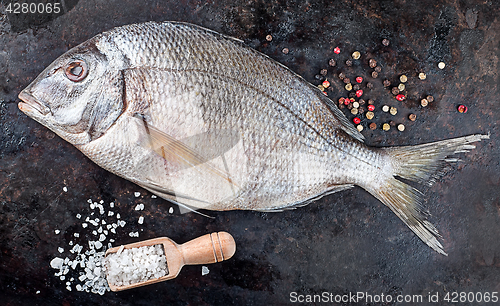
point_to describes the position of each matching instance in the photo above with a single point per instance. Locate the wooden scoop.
(206, 249)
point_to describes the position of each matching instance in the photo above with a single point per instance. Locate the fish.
(206, 122)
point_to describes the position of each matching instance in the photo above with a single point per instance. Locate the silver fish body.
(202, 120)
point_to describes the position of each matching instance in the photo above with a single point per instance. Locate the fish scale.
(204, 121)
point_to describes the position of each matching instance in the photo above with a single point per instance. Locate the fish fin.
(181, 155)
(344, 123)
(420, 164)
(332, 189)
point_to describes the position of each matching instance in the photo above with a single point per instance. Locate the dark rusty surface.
(342, 243)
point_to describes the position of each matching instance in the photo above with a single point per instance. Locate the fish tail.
(421, 164)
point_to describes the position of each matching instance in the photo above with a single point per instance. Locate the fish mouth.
(30, 104)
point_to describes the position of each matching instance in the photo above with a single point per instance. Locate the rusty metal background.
(343, 243)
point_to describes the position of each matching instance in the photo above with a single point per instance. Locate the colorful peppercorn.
(400, 97)
(412, 117)
(393, 111)
(424, 102)
(359, 93)
(348, 86)
(356, 120)
(403, 78)
(326, 84)
(369, 115)
(371, 107)
(359, 79)
(386, 127)
(462, 108)
(422, 76)
(336, 50)
(356, 55)
(401, 127)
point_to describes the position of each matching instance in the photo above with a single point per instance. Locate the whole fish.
(202, 120)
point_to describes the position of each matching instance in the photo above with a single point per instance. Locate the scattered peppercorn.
(441, 65)
(462, 108)
(347, 80)
(348, 63)
(401, 127)
(374, 74)
(393, 111)
(352, 95)
(373, 126)
(359, 79)
(356, 87)
(359, 127)
(355, 104)
(370, 101)
(387, 83)
(341, 100)
(369, 85)
(395, 90)
(361, 110)
(356, 120)
(386, 127)
(430, 99)
(422, 76)
(385, 108)
(356, 55)
(321, 87)
(341, 76)
(354, 110)
(361, 102)
(336, 50)
(400, 97)
(285, 50)
(401, 87)
(359, 93)
(378, 69)
(370, 115)
(371, 107)
(372, 63)
(269, 38)
(349, 106)
(403, 78)
(348, 86)
(323, 72)
(412, 117)
(332, 62)
(392, 123)
(424, 102)
(385, 42)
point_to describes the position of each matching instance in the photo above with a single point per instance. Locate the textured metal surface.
(346, 242)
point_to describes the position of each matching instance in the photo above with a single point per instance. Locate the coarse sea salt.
(130, 266)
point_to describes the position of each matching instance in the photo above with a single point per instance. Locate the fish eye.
(76, 70)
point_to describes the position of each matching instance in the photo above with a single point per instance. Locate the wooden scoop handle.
(208, 249)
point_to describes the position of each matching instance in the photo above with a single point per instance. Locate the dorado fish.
(197, 118)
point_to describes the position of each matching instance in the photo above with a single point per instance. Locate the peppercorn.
(441, 65)
(401, 127)
(347, 80)
(321, 87)
(422, 76)
(385, 42)
(356, 87)
(401, 87)
(349, 106)
(269, 38)
(393, 111)
(385, 108)
(424, 102)
(341, 76)
(332, 62)
(371, 107)
(369, 85)
(374, 74)
(361, 110)
(392, 123)
(395, 90)
(370, 115)
(336, 50)
(285, 50)
(378, 69)
(430, 99)
(355, 104)
(359, 127)
(462, 108)
(361, 102)
(326, 84)
(387, 83)
(386, 127)
(348, 63)
(372, 63)
(356, 55)
(370, 101)
(412, 117)
(341, 100)
(341, 106)
(359, 93)
(352, 95)
(359, 79)
(403, 78)
(354, 110)
(356, 120)
(348, 86)
(373, 126)
(323, 72)
(400, 97)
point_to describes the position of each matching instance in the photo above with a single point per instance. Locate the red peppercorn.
(359, 93)
(400, 97)
(359, 79)
(347, 101)
(326, 84)
(336, 50)
(462, 108)
(356, 120)
(371, 107)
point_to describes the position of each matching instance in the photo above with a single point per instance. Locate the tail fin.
(420, 164)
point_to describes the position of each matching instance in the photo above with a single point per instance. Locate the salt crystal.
(101, 201)
(110, 213)
(98, 245)
(171, 210)
(153, 196)
(78, 216)
(65, 189)
(56, 263)
(84, 225)
(76, 235)
(60, 249)
(62, 277)
(102, 237)
(38, 292)
(137, 194)
(204, 270)
(112, 204)
(57, 232)
(141, 220)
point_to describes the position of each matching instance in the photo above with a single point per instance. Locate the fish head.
(79, 95)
